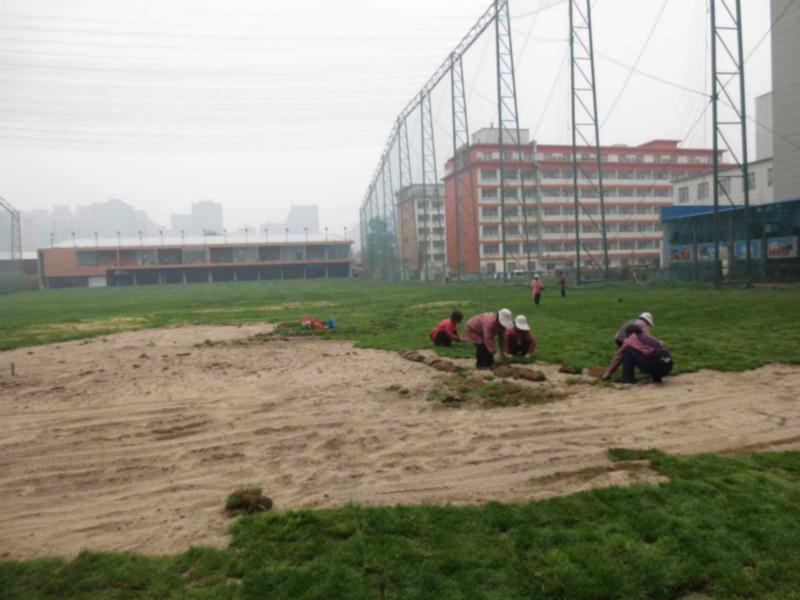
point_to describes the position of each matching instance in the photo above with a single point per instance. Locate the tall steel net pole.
(461, 149)
(585, 124)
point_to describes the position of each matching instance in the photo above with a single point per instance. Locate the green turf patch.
(720, 527)
(728, 329)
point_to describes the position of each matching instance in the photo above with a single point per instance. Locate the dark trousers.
(563, 292)
(442, 339)
(536, 298)
(518, 347)
(483, 358)
(652, 365)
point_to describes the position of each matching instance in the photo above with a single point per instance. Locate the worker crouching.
(640, 350)
(519, 340)
(481, 331)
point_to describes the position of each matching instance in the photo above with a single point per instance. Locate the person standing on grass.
(562, 283)
(640, 350)
(537, 287)
(519, 340)
(446, 331)
(644, 322)
(481, 331)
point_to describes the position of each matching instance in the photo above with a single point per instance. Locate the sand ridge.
(133, 440)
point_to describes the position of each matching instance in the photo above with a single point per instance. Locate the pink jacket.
(481, 329)
(537, 286)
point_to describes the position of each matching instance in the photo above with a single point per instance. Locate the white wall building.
(698, 190)
(786, 97)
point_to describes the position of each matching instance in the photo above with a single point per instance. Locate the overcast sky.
(262, 104)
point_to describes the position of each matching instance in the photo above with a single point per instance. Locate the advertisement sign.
(740, 249)
(680, 253)
(706, 251)
(782, 247)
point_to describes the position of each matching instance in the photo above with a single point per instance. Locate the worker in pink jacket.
(537, 287)
(640, 350)
(481, 331)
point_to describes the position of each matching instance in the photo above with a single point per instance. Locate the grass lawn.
(722, 527)
(730, 329)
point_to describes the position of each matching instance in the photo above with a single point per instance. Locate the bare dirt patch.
(135, 440)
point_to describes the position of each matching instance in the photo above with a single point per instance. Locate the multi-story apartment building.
(541, 224)
(421, 232)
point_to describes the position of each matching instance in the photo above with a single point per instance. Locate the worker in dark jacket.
(446, 331)
(640, 350)
(519, 340)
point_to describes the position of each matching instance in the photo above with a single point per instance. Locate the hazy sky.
(262, 104)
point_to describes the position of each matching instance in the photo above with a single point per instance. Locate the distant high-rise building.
(207, 216)
(764, 126)
(302, 217)
(105, 219)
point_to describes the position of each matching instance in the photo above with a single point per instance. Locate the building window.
(488, 193)
(642, 227)
(751, 180)
(490, 230)
(725, 185)
(683, 194)
(769, 177)
(512, 248)
(626, 210)
(510, 193)
(645, 244)
(643, 210)
(626, 227)
(552, 228)
(489, 212)
(702, 191)
(552, 211)
(510, 173)
(512, 211)
(490, 174)
(512, 229)
(491, 249)
(626, 245)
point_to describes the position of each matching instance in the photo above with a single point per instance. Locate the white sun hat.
(522, 323)
(505, 317)
(646, 316)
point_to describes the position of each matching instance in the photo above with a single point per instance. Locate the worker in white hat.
(640, 324)
(519, 340)
(481, 331)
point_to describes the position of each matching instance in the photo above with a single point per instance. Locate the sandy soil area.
(133, 441)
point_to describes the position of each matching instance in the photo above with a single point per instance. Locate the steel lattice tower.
(405, 181)
(389, 215)
(726, 34)
(430, 176)
(584, 121)
(16, 230)
(461, 159)
(508, 120)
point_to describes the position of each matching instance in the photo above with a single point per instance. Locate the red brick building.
(636, 184)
